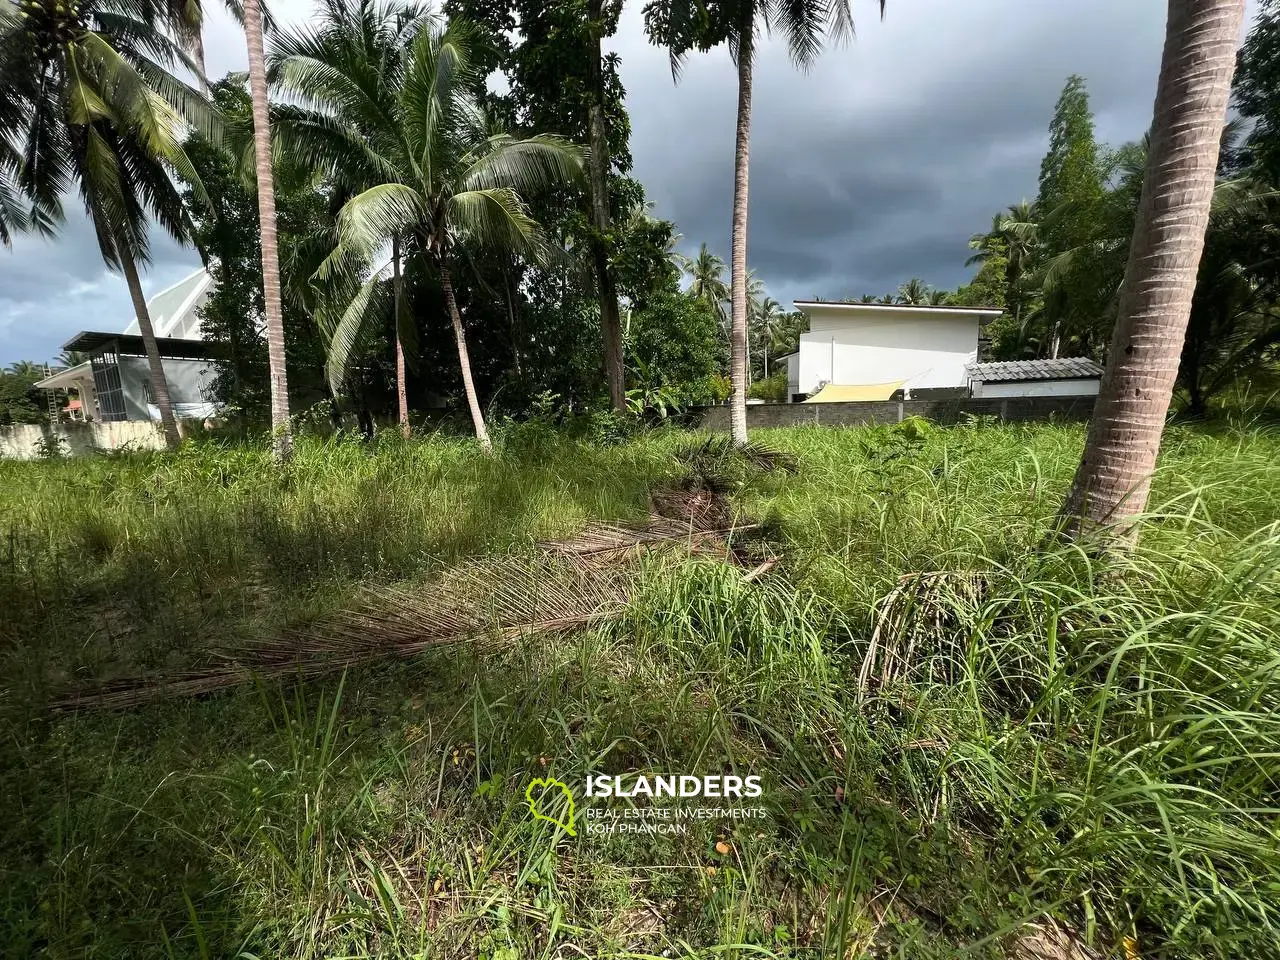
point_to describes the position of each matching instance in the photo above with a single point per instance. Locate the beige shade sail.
(846, 393)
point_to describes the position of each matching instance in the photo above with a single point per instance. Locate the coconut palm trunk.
(1114, 477)
(598, 140)
(282, 441)
(468, 385)
(397, 287)
(738, 246)
(159, 385)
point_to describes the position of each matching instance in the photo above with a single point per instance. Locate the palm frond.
(366, 311)
(497, 218)
(371, 218)
(540, 162)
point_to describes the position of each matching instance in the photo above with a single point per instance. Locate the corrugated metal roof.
(1067, 368)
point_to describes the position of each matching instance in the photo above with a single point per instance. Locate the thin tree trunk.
(1114, 477)
(159, 385)
(468, 385)
(282, 441)
(738, 250)
(598, 139)
(397, 288)
(197, 54)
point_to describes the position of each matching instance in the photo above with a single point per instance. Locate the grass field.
(1033, 740)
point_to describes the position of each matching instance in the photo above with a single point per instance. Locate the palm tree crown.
(88, 100)
(432, 176)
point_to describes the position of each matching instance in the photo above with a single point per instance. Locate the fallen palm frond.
(484, 601)
(917, 625)
(604, 541)
(569, 584)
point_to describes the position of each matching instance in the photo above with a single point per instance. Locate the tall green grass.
(1093, 741)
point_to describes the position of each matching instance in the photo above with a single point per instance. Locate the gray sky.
(874, 167)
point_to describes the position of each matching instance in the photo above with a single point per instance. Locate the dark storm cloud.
(50, 290)
(879, 163)
(875, 166)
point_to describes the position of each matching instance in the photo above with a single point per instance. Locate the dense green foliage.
(226, 229)
(671, 342)
(1056, 265)
(1059, 741)
(20, 402)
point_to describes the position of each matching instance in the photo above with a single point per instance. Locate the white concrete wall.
(923, 351)
(22, 441)
(793, 376)
(1037, 388)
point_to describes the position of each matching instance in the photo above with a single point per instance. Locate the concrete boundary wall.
(895, 411)
(24, 441)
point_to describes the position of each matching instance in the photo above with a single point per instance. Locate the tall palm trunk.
(397, 289)
(1114, 477)
(738, 248)
(159, 385)
(598, 140)
(468, 385)
(282, 441)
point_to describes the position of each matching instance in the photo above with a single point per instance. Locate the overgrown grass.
(1060, 738)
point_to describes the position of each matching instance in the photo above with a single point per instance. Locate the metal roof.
(66, 378)
(1067, 368)
(174, 309)
(130, 345)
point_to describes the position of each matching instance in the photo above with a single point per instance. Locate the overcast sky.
(874, 167)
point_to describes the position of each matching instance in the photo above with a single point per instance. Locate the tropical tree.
(706, 280)
(685, 25)
(89, 100)
(914, 292)
(363, 47)
(598, 138)
(435, 180)
(282, 441)
(767, 320)
(1113, 480)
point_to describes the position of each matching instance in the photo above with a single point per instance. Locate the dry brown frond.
(915, 618)
(484, 601)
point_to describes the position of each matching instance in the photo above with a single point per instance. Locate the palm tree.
(706, 280)
(598, 138)
(364, 47)
(914, 292)
(1113, 480)
(89, 100)
(282, 441)
(682, 25)
(435, 180)
(768, 319)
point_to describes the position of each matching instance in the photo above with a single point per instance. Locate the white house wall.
(1037, 388)
(188, 382)
(922, 351)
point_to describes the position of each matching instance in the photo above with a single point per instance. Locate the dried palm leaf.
(917, 625)
(489, 601)
(604, 541)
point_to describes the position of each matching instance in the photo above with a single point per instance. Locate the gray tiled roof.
(1068, 368)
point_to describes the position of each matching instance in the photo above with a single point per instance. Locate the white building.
(115, 382)
(867, 351)
(1067, 377)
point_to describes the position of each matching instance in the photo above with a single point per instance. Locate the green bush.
(772, 389)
